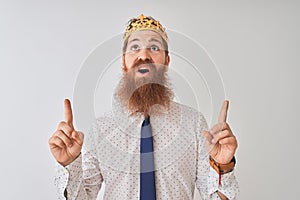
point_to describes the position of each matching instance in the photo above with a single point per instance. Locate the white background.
(255, 45)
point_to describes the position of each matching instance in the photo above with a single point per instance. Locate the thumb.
(208, 136)
(78, 137)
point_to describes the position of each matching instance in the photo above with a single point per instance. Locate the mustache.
(143, 62)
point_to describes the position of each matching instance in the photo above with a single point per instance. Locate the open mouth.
(143, 70)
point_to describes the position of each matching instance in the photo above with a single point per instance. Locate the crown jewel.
(144, 23)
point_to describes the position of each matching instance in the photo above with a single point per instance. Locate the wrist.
(222, 168)
(70, 161)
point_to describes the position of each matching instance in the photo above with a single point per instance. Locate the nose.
(144, 55)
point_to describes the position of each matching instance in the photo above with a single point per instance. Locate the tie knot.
(146, 121)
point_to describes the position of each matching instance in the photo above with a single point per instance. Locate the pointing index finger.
(68, 112)
(223, 113)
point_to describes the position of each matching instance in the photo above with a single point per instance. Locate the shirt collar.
(131, 122)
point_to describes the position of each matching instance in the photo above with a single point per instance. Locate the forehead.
(144, 35)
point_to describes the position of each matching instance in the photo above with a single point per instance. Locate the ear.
(167, 62)
(124, 68)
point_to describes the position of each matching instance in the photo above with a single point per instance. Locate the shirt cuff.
(229, 185)
(68, 178)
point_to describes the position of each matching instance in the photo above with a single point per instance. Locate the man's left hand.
(220, 140)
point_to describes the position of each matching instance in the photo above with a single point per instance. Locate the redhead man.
(138, 158)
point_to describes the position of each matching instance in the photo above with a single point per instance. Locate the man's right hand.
(66, 143)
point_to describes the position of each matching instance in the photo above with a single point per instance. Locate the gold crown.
(144, 23)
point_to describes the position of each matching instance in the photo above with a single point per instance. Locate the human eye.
(134, 47)
(154, 48)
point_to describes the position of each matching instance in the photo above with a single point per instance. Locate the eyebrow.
(155, 40)
(133, 40)
(151, 40)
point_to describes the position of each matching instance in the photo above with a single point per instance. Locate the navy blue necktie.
(147, 179)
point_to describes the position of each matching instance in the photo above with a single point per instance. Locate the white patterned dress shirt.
(111, 149)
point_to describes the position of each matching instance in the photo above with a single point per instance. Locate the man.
(148, 147)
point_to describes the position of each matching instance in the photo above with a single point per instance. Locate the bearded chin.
(141, 94)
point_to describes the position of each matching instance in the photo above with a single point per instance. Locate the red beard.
(139, 94)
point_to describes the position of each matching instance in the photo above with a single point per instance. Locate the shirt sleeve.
(82, 179)
(207, 179)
